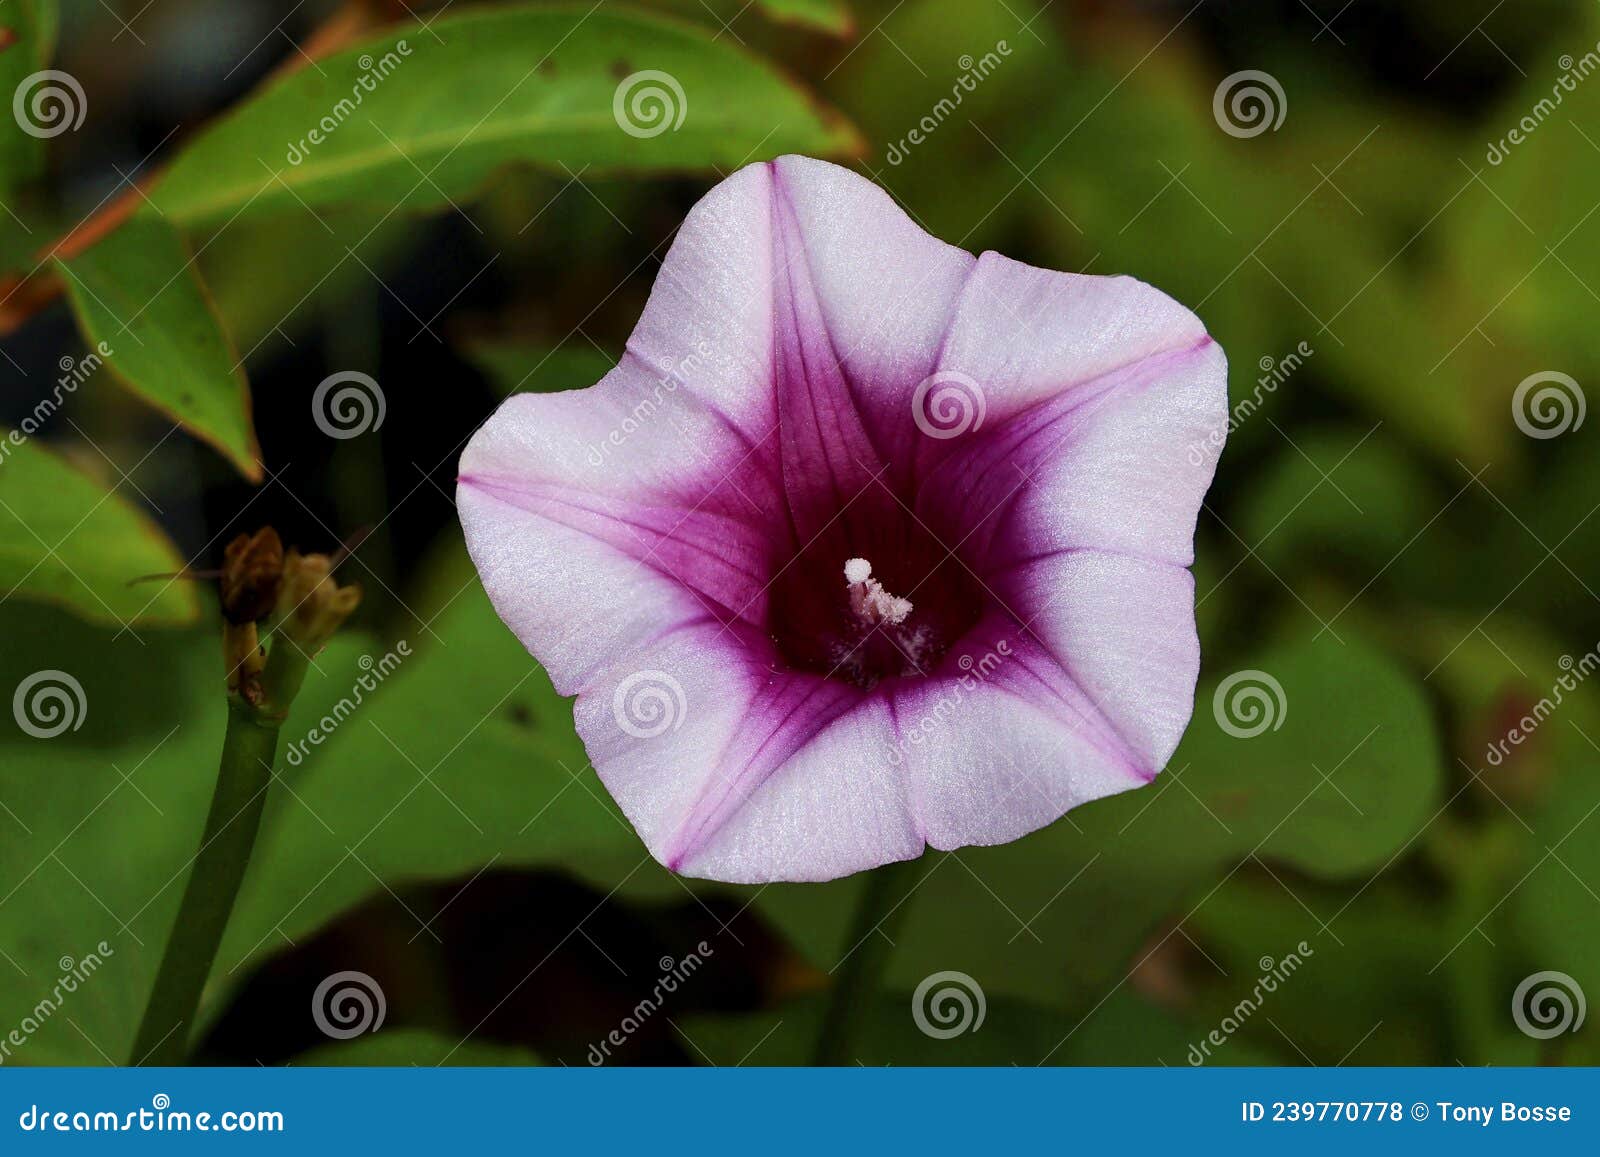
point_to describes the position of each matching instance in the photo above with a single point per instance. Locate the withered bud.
(311, 604)
(252, 575)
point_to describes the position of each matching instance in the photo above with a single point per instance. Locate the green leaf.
(399, 1047)
(1128, 1031)
(65, 539)
(420, 117)
(33, 24)
(523, 367)
(830, 16)
(141, 304)
(1059, 916)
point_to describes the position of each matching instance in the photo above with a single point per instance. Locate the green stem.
(243, 777)
(879, 914)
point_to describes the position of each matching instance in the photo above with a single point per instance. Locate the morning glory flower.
(866, 544)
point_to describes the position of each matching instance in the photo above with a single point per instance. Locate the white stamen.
(868, 599)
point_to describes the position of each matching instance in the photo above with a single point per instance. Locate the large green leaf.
(518, 367)
(140, 302)
(419, 117)
(32, 24)
(65, 539)
(831, 16)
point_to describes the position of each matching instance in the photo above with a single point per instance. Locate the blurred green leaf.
(64, 539)
(418, 118)
(400, 1047)
(523, 367)
(33, 24)
(140, 302)
(1348, 775)
(1128, 1031)
(831, 16)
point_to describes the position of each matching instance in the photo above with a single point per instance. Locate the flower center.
(895, 620)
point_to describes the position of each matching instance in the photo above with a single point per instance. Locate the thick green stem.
(245, 774)
(879, 914)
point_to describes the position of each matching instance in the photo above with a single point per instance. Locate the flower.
(865, 544)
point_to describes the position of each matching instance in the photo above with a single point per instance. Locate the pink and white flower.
(866, 544)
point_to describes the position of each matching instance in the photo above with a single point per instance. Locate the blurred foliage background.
(1384, 539)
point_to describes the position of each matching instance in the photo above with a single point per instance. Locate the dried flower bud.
(311, 604)
(252, 572)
